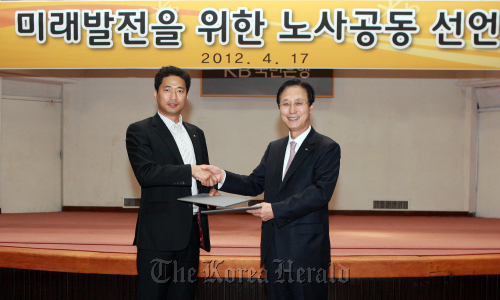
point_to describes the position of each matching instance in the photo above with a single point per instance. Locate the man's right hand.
(215, 171)
(205, 177)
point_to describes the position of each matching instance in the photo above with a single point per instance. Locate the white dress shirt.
(186, 149)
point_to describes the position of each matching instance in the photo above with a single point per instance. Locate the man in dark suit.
(166, 155)
(298, 174)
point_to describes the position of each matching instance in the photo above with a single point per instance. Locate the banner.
(262, 82)
(250, 34)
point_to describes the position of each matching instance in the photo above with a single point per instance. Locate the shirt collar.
(169, 123)
(300, 138)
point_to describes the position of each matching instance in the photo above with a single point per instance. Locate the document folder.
(228, 210)
(219, 201)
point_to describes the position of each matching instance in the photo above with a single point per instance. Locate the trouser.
(279, 286)
(169, 274)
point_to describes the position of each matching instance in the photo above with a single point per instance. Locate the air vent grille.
(131, 202)
(386, 204)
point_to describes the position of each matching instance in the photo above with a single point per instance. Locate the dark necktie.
(202, 242)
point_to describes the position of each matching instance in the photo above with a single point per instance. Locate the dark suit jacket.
(300, 202)
(164, 223)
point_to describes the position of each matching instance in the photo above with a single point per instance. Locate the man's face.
(171, 97)
(295, 110)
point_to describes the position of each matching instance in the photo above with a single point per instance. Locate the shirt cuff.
(220, 184)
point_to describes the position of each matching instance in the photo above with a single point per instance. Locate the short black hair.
(297, 82)
(169, 71)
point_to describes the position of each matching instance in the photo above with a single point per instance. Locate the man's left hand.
(214, 192)
(265, 212)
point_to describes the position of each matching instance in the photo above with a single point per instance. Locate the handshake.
(208, 175)
(211, 175)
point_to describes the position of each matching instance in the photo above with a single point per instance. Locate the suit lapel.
(161, 129)
(305, 149)
(280, 158)
(195, 140)
(274, 164)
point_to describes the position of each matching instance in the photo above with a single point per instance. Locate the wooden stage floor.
(362, 246)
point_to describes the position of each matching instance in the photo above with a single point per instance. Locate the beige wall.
(1, 93)
(401, 138)
(488, 189)
(30, 138)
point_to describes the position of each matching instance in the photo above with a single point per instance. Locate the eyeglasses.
(297, 104)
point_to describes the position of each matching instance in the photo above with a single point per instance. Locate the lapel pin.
(194, 135)
(306, 149)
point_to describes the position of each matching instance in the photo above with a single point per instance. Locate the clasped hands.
(207, 175)
(211, 175)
